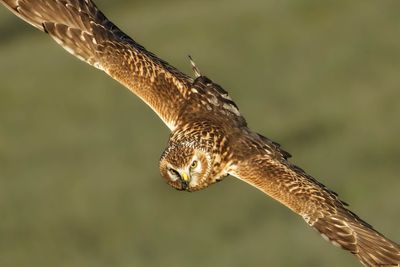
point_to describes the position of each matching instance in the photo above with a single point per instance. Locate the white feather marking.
(36, 13)
(232, 109)
(226, 97)
(213, 100)
(82, 36)
(58, 41)
(325, 237)
(70, 50)
(308, 220)
(336, 244)
(98, 66)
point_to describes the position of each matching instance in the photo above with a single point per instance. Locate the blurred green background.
(79, 180)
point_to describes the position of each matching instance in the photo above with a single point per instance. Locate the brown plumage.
(209, 138)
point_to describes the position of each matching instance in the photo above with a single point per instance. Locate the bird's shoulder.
(209, 103)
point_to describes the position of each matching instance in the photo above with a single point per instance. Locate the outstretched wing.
(82, 29)
(266, 168)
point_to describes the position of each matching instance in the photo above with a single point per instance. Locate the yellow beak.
(185, 177)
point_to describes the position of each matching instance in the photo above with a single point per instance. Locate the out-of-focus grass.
(79, 181)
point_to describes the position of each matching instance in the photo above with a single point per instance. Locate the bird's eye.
(174, 172)
(194, 165)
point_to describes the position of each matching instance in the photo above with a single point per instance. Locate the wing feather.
(267, 169)
(84, 31)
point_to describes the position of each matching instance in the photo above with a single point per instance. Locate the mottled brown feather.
(320, 207)
(202, 116)
(84, 31)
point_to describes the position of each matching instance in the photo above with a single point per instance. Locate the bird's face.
(185, 167)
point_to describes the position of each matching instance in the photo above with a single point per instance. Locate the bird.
(209, 138)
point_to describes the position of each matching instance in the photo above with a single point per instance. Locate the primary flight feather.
(209, 138)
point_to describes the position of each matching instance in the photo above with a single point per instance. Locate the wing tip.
(349, 232)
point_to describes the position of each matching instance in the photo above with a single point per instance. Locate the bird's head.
(186, 167)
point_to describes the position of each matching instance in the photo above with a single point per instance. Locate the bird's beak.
(185, 180)
(185, 177)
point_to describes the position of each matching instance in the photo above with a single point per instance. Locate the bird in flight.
(209, 137)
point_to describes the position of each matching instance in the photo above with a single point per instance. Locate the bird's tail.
(346, 230)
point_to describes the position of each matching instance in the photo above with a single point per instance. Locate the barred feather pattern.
(202, 116)
(320, 207)
(346, 230)
(85, 32)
